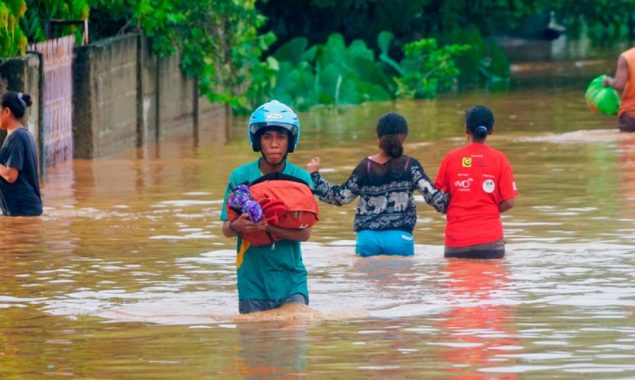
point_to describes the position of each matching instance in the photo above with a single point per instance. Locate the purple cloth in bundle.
(240, 200)
(254, 210)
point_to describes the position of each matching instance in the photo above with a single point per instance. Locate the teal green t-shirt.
(271, 272)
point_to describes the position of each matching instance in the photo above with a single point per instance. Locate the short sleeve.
(507, 184)
(230, 187)
(440, 182)
(15, 153)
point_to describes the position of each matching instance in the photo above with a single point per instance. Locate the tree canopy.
(234, 47)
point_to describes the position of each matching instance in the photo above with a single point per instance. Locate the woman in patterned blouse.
(384, 182)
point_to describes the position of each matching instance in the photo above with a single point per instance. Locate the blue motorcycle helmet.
(271, 115)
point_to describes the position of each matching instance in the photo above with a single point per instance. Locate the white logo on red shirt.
(488, 186)
(463, 184)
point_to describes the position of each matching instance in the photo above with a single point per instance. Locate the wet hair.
(391, 127)
(17, 102)
(479, 121)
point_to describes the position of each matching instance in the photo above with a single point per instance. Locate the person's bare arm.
(621, 76)
(9, 174)
(506, 204)
(290, 234)
(229, 231)
(244, 225)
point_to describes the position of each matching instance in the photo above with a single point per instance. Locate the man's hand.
(242, 225)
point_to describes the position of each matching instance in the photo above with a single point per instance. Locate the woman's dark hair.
(17, 102)
(479, 120)
(391, 144)
(390, 129)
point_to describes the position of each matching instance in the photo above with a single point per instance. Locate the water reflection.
(479, 326)
(625, 151)
(272, 350)
(19, 236)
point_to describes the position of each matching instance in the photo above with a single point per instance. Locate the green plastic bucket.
(600, 99)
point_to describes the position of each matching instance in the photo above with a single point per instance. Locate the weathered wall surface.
(23, 74)
(124, 96)
(105, 97)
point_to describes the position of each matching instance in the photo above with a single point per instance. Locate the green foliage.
(484, 62)
(496, 64)
(450, 22)
(337, 74)
(604, 19)
(427, 68)
(12, 38)
(470, 61)
(383, 41)
(330, 73)
(39, 12)
(355, 19)
(22, 21)
(112, 17)
(222, 43)
(218, 40)
(408, 20)
(295, 79)
(349, 75)
(219, 43)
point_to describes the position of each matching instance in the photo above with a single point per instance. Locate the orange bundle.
(286, 202)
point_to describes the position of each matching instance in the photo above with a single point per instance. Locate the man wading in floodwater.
(273, 275)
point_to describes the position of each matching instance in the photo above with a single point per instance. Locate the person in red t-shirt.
(481, 185)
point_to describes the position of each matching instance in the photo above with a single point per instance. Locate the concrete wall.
(148, 109)
(105, 97)
(23, 74)
(214, 124)
(124, 96)
(176, 98)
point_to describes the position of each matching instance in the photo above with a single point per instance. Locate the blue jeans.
(386, 242)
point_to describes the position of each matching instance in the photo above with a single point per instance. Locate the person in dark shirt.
(19, 184)
(385, 183)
